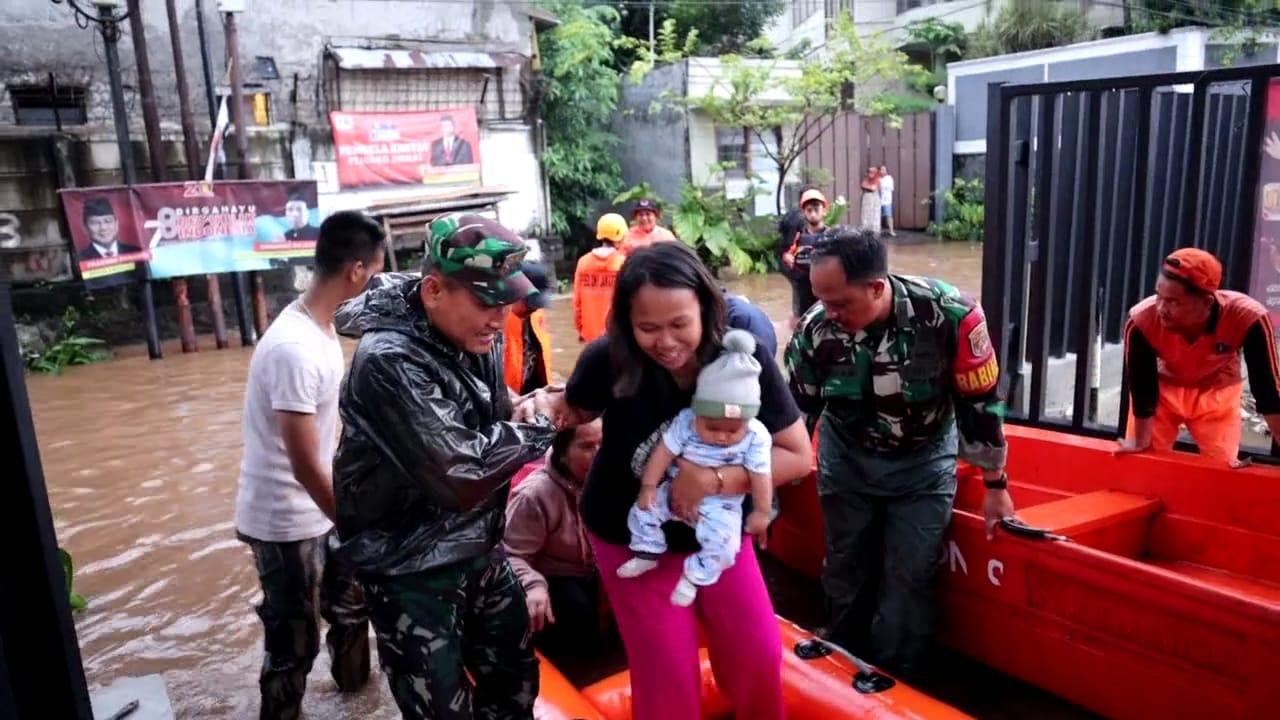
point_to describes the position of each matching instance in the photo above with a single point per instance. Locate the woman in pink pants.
(667, 321)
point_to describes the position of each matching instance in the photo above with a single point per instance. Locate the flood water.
(141, 461)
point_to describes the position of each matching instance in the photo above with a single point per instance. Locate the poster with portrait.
(197, 228)
(106, 242)
(1264, 285)
(406, 148)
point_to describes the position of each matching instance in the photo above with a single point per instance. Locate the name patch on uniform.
(980, 340)
(979, 380)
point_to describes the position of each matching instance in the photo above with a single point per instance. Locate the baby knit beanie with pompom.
(729, 387)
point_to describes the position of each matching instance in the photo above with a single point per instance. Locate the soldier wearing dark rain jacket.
(893, 366)
(427, 452)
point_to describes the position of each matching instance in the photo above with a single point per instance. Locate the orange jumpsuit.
(1199, 383)
(593, 282)
(521, 372)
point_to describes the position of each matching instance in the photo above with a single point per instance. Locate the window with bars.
(496, 93)
(733, 146)
(802, 10)
(48, 104)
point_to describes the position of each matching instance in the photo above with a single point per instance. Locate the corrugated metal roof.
(353, 58)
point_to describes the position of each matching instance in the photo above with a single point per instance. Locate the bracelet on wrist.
(1000, 483)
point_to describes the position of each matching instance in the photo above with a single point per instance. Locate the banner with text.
(191, 228)
(1264, 285)
(406, 148)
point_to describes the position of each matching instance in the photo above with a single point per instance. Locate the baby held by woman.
(719, 429)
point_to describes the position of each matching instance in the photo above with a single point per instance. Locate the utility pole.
(242, 149)
(192, 146)
(109, 26)
(155, 150)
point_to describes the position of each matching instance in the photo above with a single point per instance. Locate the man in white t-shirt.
(886, 198)
(285, 505)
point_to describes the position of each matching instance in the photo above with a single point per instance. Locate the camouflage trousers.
(884, 524)
(302, 582)
(438, 626)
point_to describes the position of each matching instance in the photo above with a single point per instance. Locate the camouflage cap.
(480, 254)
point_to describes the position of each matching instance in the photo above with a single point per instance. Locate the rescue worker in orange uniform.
(1182, 360)
(526, 342)
(594, 277)
(646, 231)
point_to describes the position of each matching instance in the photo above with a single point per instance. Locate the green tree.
(1239, 23)
(579, 86)
(854, 73)
(1025, 25)
(725, 27)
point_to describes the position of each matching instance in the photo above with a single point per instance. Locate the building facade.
(300, 60)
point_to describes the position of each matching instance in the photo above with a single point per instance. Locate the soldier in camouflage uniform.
(893, 366)
(427, 452)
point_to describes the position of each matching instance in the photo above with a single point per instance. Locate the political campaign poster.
(1264, 284)
(105, 236)
(196, 228)
(406, 148)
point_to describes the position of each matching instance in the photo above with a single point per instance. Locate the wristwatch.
(1001, 483)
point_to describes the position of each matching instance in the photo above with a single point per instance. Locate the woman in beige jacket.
(548, 549)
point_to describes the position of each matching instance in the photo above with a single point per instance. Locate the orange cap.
(813, 194)
(1195, 267)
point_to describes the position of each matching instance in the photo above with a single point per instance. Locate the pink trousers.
(661, 639)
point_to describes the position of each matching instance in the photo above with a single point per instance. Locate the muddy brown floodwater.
(141, 461)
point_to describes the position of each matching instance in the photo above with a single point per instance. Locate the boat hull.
(821, 687)
(1165, 603)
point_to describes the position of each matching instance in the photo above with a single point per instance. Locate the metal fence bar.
(1240, 271)
(1084, 307)
(1137, 231)
(1040, 255)
(995, 232)
(1192, 182)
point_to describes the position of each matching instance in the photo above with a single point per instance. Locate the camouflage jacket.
(896, 387)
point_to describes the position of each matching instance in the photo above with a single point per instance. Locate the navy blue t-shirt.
(633, 426)
(745, 316)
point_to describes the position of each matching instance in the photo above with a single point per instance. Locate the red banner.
(190, 228)
(406, 148)
(1265, 283)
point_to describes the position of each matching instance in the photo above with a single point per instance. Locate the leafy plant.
(78, 602)
(719, 228)
(1025, 25)
(722, 27)
(67, 349)
(965, 217)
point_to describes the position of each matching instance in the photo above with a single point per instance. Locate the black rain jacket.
(427, 450)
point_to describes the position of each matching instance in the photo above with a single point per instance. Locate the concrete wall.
(656, 138)
(38, 37)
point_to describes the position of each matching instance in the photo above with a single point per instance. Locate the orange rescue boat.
(1143, 586)
(819, 681)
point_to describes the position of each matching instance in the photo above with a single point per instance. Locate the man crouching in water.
(422, 472)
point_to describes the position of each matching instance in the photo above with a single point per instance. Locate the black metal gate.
(1088, 185)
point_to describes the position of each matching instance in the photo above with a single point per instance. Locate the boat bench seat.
(1107, 520)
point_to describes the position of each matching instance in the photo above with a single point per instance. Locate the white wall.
(507, 158)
